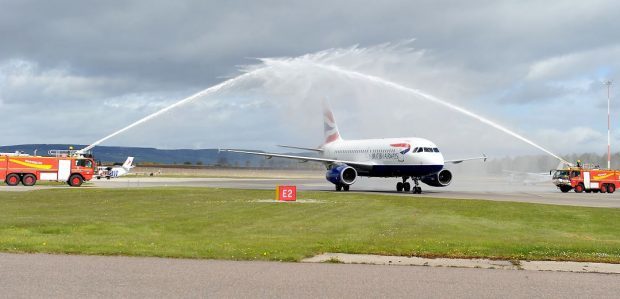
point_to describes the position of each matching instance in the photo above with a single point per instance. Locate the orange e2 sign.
(286, 193)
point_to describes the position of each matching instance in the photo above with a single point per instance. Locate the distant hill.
(145, 155)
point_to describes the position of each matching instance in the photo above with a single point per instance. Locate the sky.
(75, 71)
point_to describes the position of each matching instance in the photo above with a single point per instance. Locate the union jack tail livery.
(330, 129)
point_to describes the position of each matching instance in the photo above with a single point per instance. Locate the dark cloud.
(128, 58)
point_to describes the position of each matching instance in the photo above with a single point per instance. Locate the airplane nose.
(438, 159)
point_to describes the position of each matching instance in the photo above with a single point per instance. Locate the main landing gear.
(405, 186)
(340, 187)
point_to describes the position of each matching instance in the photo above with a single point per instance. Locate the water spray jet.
(418, 93)
(205, 92)
(287, 63)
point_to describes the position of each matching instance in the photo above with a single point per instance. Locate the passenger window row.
(354, 151)
(415, 150)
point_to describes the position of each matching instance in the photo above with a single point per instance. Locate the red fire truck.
(587, 178)
(62, 166)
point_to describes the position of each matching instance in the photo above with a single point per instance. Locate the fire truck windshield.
(560, 174)
(84, 163)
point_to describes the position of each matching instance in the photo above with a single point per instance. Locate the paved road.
(62, 276)
(461, 188)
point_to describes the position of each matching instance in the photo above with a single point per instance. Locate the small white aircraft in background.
(527, 178)
(115, 171)
(408, 157)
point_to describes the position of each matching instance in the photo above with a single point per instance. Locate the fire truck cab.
(62, 166)
(587, 179)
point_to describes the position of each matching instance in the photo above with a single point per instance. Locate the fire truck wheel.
(603, 188)
(75, 180)
(29, 180)
(611, 188)
(579, 188)
(565, 189)
(12, 179)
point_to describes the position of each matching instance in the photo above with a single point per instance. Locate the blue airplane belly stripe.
(403, 170)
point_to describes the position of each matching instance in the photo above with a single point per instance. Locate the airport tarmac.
(66, 276)
(461, 188)
(485, 188)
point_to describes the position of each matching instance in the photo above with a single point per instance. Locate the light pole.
(608, 83)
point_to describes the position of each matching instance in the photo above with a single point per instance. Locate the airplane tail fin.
(330, 129)
(127, 165)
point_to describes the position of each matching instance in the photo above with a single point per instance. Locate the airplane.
(345, 160)
(116, 171)
(527, 178)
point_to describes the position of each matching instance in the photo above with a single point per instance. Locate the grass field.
(240, 224)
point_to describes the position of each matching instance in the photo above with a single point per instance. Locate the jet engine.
(341, 175)
(440, 179)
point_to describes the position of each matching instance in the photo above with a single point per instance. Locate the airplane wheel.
(29, 180)
(579, 188)
(12, 179)
(407, 187)
(399, 186)
(338, 187)
(611, 188)
(345, 187)
(417, 190)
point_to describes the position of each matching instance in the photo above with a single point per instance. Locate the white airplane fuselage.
(389, 157)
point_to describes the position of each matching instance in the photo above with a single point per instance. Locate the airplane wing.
(484, 157)
(302, 148)
(303, 159)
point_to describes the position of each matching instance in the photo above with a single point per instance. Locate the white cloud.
(575, 64)
(528, 65)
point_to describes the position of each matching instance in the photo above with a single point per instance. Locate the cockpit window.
(420, 150)
(428, 150)
(435, 149)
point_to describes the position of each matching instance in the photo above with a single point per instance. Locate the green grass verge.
(235, 224)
